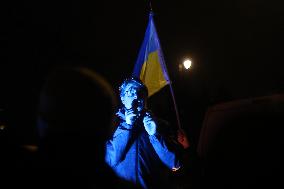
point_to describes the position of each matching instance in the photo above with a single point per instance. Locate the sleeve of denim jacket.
(166, 151)
(116, 146)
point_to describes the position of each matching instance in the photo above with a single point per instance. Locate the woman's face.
(130, 94)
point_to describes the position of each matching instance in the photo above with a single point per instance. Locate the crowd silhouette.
(239, 145)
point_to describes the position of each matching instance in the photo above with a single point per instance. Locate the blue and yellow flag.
(150, 65)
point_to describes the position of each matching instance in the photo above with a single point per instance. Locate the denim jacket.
(140, 158)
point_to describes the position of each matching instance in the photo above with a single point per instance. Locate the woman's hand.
(149, 124)
(130, 116)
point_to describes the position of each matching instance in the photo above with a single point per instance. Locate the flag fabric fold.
(150, 65)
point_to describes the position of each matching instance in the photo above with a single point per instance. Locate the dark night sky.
(236, 46)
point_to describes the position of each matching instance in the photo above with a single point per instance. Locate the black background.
(236, 48)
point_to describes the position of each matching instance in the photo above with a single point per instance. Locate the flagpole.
(175, 105)
(172, 94)
(182, 138)
(150, 4)
(169, 80)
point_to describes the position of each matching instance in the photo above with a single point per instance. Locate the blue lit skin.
(149, 124)
(128, 95)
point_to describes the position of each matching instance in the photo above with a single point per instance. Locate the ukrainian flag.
(150, 65)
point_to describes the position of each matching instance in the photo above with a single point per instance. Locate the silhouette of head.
(75, 111)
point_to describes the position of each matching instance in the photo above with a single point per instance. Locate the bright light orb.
(187, 64)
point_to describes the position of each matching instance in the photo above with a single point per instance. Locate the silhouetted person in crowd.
(75, 114)
(139, 151)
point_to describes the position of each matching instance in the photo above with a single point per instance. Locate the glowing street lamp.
(187, 64)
